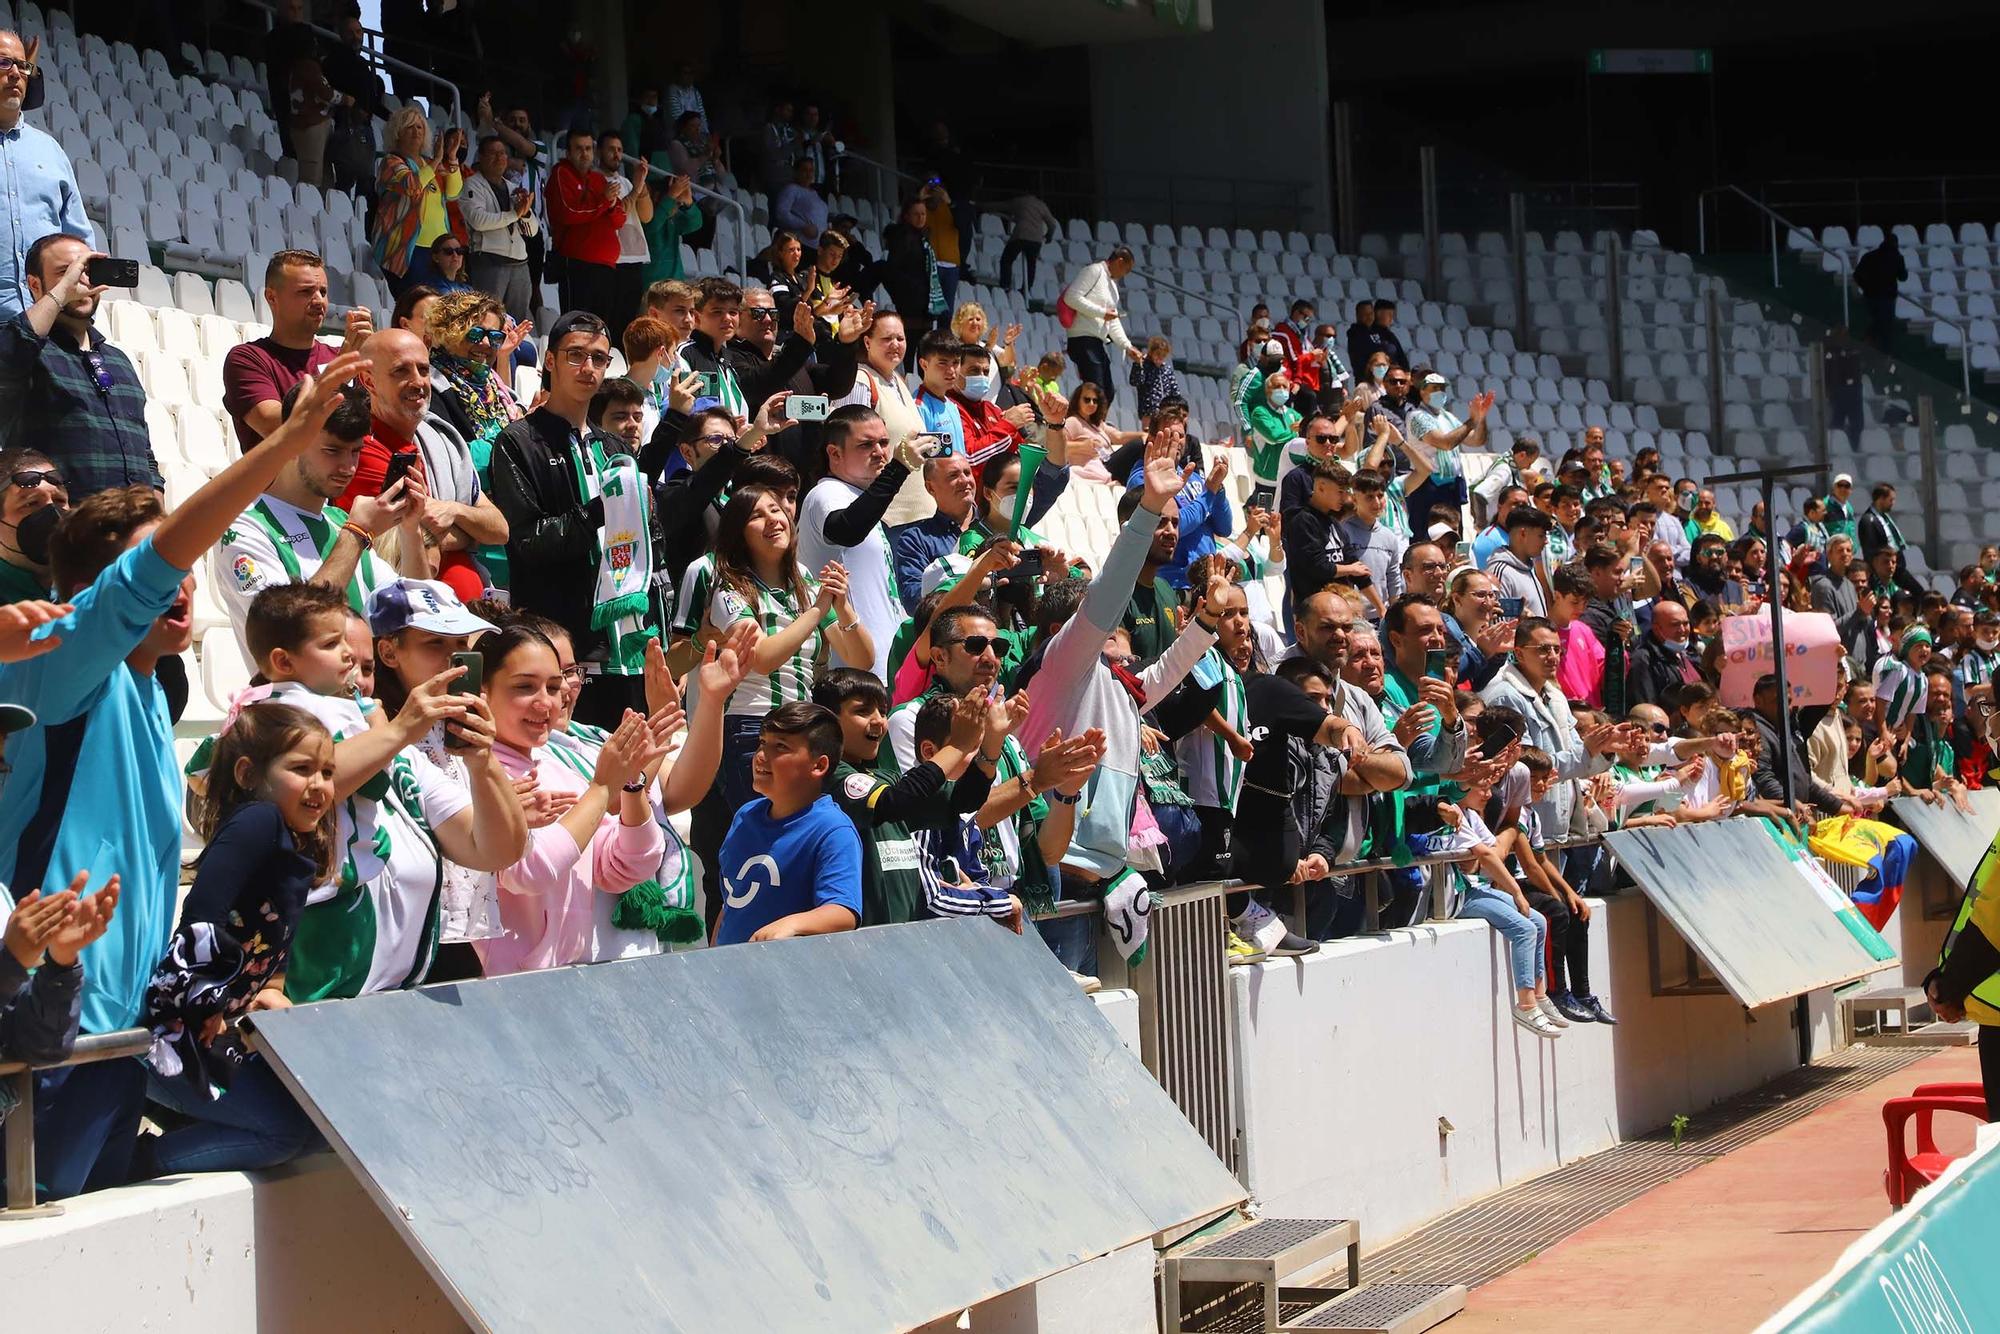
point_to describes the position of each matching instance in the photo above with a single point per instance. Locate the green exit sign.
(1614, 60)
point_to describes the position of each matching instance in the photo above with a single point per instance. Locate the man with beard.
(294, 532)
(63, 389)
(457, 517)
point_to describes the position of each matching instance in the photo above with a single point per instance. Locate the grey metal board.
(1733, 894)
(859, 1132)
(1954, 839)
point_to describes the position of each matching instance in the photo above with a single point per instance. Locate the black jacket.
(756, 377)
(1764, 780)
(551, 533)
(904, 272)
(1871, 532)
(1654, 671)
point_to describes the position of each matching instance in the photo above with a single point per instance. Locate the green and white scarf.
(663, 905)
(624, 553)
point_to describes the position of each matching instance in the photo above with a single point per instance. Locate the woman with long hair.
(1091, 439)
(758, 578)
(779, 266)
(414, 188)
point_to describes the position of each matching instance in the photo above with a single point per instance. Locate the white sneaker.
(1085, 982)
(1536, 1022)
(1548, 1008)
(1267, 931)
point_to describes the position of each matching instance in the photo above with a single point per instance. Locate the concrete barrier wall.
(1353, 1057)
(303, 1250)
(1380, 1079)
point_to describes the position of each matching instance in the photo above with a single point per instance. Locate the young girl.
(1492, 894)
(605, 842)
(269, 820)
(758, 579)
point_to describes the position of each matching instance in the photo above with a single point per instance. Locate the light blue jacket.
(38, 195)
(120, 809)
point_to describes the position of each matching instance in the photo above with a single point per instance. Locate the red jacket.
(987, 433)
(583, 217)
(1300, 363)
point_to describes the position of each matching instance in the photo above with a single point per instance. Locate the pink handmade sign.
(1812, 657)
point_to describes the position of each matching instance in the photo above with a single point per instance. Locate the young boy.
(884, 811)
(965, 872)
(940, 367)
(1549, 894)
(791, 862)
(1315, 551)
(1493, 895)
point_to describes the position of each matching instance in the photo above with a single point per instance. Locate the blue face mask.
(978, 386)
(1379, 371)
(1280, 397)
(1675, 645)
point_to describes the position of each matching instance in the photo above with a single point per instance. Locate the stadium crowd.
(759, 639)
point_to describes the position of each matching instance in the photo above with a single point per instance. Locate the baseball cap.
(421, 604)
(1435, 378)
(15, 718)
(1274, 348)
(945, 571)
(568, 321)
(1843, 479)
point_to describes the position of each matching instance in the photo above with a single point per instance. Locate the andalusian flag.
(1836, 900)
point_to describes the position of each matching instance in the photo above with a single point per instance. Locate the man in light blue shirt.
(38, 193)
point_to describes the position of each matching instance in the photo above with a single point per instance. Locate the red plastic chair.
(1909, 1173)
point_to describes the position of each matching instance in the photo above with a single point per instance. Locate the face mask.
(1280, 397)
(32, 534)
(648, 108)
(1439, 399)
(1675, 645)
(1379, 371)
(978, 386)
(1987, 643)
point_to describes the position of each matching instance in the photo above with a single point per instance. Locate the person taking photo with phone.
(63, 388)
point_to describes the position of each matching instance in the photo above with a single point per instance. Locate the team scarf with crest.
(624, 553)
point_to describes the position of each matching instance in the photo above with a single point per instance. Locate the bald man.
(458, 517)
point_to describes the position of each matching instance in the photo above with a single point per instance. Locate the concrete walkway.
(1728, 1244)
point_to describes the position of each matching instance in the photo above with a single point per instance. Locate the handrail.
(1846, 270)
(20, 1123)
(1152, 277)
(742, 215)
(381, 60)
(882, 170)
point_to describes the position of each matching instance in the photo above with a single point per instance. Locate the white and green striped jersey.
(276, 542)
(773, 610)
(374, 927)
(1214, 776)
(1901, 689)
(688, 607)
(1976, 666)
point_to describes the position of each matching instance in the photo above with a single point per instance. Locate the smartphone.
(1462, 553)
(468, 684)
(1436, 663)
(399, 468)
(709, 385)
(1511, 608)
(1023, 571)
(1501, 738)
(106, 272)
(931, 444)
(805, 408)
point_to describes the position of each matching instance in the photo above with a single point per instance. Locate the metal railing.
(1851, 200)
(704, 192)
(882, 176)
(20, 1121)
(1782, 232)
(378, 61)
(1175, 198)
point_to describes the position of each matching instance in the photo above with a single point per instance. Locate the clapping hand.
(35, 919)
(968, 721)
(726, 660)
(832, 585)
(86, 922)
(1066, 765)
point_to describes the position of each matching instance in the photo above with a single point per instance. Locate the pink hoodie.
(545, 904)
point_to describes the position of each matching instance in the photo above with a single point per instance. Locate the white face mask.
(1987, 643)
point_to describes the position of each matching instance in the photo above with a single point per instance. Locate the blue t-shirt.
(1485, 542)
(774, 868)
(942, 415)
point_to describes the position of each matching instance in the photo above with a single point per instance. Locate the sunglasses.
(1658, 729)
(30, 478)
(716, 438)
(976, 645)
(482, 334)
(1322, 439)
(9, 65)
(761, 312)
(449, 250)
